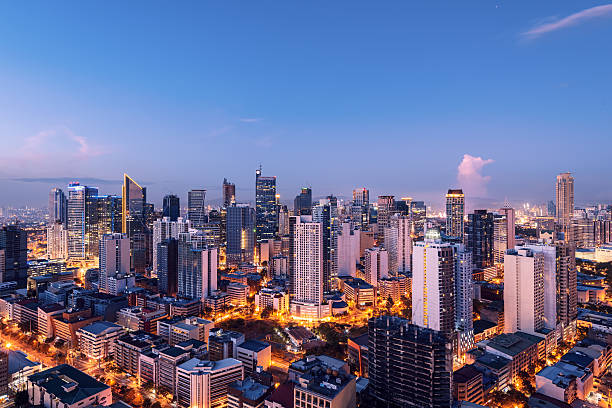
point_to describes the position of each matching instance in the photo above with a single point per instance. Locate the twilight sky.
(402, 97)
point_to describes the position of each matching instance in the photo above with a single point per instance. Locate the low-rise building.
(66, 387)
(358, 355)
(137, 318)
(247, 393)
(97, 340)
(254, 353)
(46, 329)
(128, 348)
(237, 294)
(169, 359)
(272, 298)
(223, 344)
(202, 383)
(521, 348)
(323, 387)
(358, 292)
(467, 385)
(70, 321)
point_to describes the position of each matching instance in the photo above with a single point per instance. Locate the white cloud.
(469, 175)
(571, 20)
(250, 120)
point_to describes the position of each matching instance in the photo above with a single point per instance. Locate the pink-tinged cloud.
(470, 178)
(48, 150)
(571, 20)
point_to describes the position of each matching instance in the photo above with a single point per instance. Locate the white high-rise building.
(114, 260)
(308, 268)
(403, 224)
(433, 283)
(197, 267)
(57, 241)
(390, 244)
(164, 229)
(500, 238)
(464, 288)
(523, 291)
(308, 254)
(376, 265)
(203, 384)
(550, 282)
(348, 249)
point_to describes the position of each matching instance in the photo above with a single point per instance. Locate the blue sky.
(403, 97)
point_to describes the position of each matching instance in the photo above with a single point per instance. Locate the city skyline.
(497, 110)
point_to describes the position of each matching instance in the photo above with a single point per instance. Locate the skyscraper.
(134, 222)
(418, 211)
(197, 268)
(57, 241)
(523, 291)
(229, 193)
(403, 225)
(464, 288)
(348, 249)
(58, 211)
(566, 282)
(383, 218)
(376, 265)
(164, 229)
(196, 210)
(500, 238)
(361, 204)
(565, 204)
(455, 211)
(302, 205)
(80, 221)
(167, 266)
(171, 207)
(240, 234)
(114, 261)
(479, 238)
(408, 366)
(266, 215)
(326, 213)
(550, 282)
(308, 267)
(433, 283)
(508, 212)
(14, 245)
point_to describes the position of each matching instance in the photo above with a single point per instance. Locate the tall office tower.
(508, 212)
(283, 221)
(204, 384)
(167, 266)
(165, 228)
(464, 288)
(408, 366)
(500, 238)
(266, 216)
(81, 220)
(390, 244)
(455, 211)
(552, 208)
(302, 205)
(57, 241)
(196, 211)
(114, 259)
(229, 193)
(361, 205)
(171, 207)
(433, 283)
(108, 214)
(197, 268)
(14, 244)
(348, 249)
(308, 262)
(134, 222)
(376, 265)
(550, 281)
(326, 213)
(383, 219)
(567, 293)
(523, 291)
(403, 225)
(4, 371)
(57, 206)
(240, 234)
(419, 216)
(565, 204)
(479, 238)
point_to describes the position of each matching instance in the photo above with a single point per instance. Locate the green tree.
(267, 312)
(22, 400)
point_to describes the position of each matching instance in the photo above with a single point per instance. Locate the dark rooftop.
(68, 384)
(254, 345)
